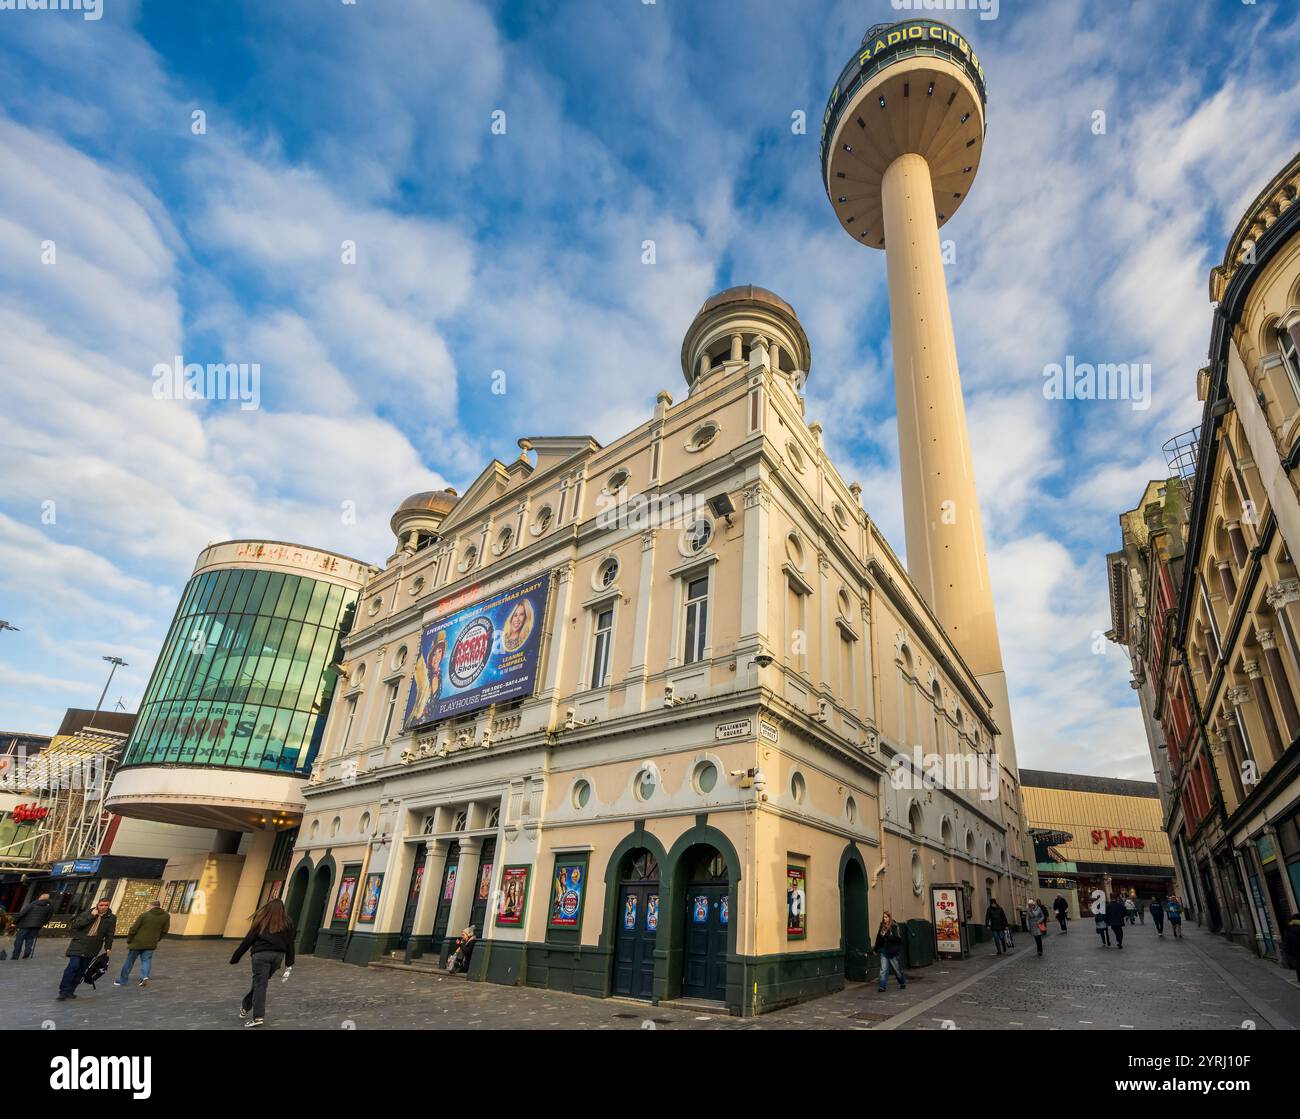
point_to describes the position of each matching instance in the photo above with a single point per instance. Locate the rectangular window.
(1286, 346)
(600, 661)
(389, 709)
(697, 618)
(350, 715)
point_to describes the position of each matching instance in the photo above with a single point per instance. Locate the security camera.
(760, 782)
(763, 659)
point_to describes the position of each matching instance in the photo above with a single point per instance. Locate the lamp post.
(116, 662)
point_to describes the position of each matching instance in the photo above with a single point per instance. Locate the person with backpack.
(996, 920)
(147, 930)
(92, 934)
(889, 943)
(269, 943)
(33, 917)
(1062, 909)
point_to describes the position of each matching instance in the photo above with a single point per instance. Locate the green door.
(483, 886)
(704, 964)
(412, 897)
(446, 890)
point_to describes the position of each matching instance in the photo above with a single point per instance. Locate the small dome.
(748, 310)
(434, 503)
(746, 293)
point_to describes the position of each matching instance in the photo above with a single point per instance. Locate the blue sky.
(626, 121)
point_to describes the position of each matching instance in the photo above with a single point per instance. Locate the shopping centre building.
(231, 722)
(1097, 834)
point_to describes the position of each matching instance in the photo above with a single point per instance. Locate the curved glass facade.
(242, 681)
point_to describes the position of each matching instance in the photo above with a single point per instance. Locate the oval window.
(581, 794)
(798, 788)
(706, 777)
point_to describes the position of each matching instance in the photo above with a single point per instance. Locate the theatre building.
(1097, 834)
(634, 712)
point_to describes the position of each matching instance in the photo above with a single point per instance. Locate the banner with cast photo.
(483, 654)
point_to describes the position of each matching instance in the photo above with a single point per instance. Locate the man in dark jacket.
(1062, 910)
(33, 917)
(996, 919)
(92, 933)
(1116, 915)
(149, 928)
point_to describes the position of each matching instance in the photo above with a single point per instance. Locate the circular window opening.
(795, 456)
(335, 824)
(841, 517)
(365, 822)
(706, 777)
(918, 873)
(703, 436)
(698, 535)
(581, 794)
(375, 604)
(645, 784)
(798, 788)
(360, 673)
(794, 549)
(617, 481)
(417, 584)
(315, 828)
(606, 573)
(851, 810)
(471, 557)
(400, 658)
(505, 538)
(544, 519)
(845, 604)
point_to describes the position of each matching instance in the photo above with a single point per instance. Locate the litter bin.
(918, 942)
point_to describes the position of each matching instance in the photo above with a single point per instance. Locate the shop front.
(75, 884)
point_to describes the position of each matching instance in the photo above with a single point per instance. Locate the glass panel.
(287, 594)
(298, 611)
(240, 602)
(320, 592)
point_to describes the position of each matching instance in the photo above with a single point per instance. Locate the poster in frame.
(370, 899)
(796, 902)
(346, 896)
(514, 896)
(566, 893)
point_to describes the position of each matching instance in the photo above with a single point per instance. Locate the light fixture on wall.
(721, 505)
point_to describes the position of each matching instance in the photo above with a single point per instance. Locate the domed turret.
(741, 327)
(416, 521)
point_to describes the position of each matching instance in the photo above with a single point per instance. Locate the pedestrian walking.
(1174, 911)
(269, 944)
(1036, 918)
(996, 920)
(33, 917)
(1116, 915)
(1130, 910)
(1062, 909)
(889, 943)
(92, 933)
(1142, 909)
(1291, 939)
(1158, 916)
(147, 930)
(1103, 929)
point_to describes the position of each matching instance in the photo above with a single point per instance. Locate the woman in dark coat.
(889, 943)
(269, 944)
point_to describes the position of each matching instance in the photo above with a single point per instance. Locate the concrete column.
(638, 670)
(251, 877)
(1228, 581)
(824, 623)
(1238, 541)
(754, 577)
(462, 899)
(737, 344)
(435, 862)
(1265, 706)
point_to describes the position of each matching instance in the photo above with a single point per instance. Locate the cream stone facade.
(726, 686)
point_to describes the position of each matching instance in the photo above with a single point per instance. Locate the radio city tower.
(901, 143)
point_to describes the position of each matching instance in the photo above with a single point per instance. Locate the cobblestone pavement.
(1200, 982)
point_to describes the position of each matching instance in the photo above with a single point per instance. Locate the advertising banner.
(566, 895)
(945, 906)
(370, 898)
(484, 654)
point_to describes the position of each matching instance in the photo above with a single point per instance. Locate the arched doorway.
(855, 932)
(636, 927)
(297, 894)
(313, 914)
(707, 916)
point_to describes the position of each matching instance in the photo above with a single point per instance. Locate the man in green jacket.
(92, 933)
(149, 928)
